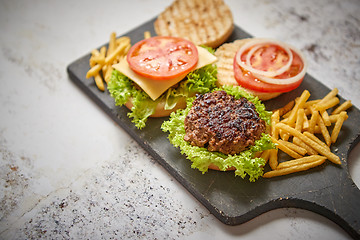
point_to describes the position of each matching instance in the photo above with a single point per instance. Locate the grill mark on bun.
(204, 22)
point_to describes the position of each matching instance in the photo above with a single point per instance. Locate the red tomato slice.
(247, 80)
(163, 58)
(269, 58)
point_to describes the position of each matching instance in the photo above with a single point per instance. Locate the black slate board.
(327, 189)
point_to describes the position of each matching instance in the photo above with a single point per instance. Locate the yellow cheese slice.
(155, 88)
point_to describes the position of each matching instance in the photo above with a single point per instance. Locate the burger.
(225, 129)
(158, 74)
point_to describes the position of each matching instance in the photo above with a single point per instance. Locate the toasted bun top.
(225, 54)
(204, 22)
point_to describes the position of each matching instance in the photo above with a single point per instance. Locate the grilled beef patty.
(221, 123)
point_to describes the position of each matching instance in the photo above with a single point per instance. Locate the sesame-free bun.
(160, 108)
(203, 22)
(225, 54)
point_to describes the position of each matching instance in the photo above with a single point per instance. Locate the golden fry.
(315, 139)
(312, 102)
(305, 122)
(300, 161)
(324, 131)
(299, 104)
(265, 155)
(334, 118)
(285, 108)
(326, 118)
(273, 158)
(343, 107)
(284, 148)
(329, 96)
(299, 119)
(108, 74)
(337, 127)
(294, 147)
(147, 34)
(99, 82)
(118, 50)
(94, 53)
(284, 135)
(293, 169)
(313, 121)
(328, 104)
(93, 71)
(112, 44)
(300, 143)
(319, 148)
(274, 120)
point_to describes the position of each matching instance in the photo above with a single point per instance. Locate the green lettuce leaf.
(246, 163)
(121, 88)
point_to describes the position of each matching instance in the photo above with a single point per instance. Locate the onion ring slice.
(268, 76)
(290, 80)
(269, 73)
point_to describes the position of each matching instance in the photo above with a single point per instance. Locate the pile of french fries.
(305, 131)
(101, 61)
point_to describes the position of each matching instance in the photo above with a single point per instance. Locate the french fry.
(324, 131)
(99, 82)
(334, 118)
(112, 44)
(328, 104)
(305, 122)
(310, 103)
(319, 148)
(274, 120)
(108, 74)
(285, 108)
(147, 34)
(273, 158)
(328, 96)
(284, 148)
(300, 161)
(337, 127)
(300, 143)
(284, 135)
(98, 60)
(265, 155)
(326, 118)
(294, 147)
(343, 107)
(315, 139)
(293, 169)
(313, 121)
(317, 129)
(118, 50)
(299, 119)
(94, 53)
(299, 104)
(103, 51)
(93, 71)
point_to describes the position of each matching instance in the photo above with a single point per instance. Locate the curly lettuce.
(246, 163)
(121, 88)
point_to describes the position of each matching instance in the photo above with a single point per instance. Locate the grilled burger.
(222, 130)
